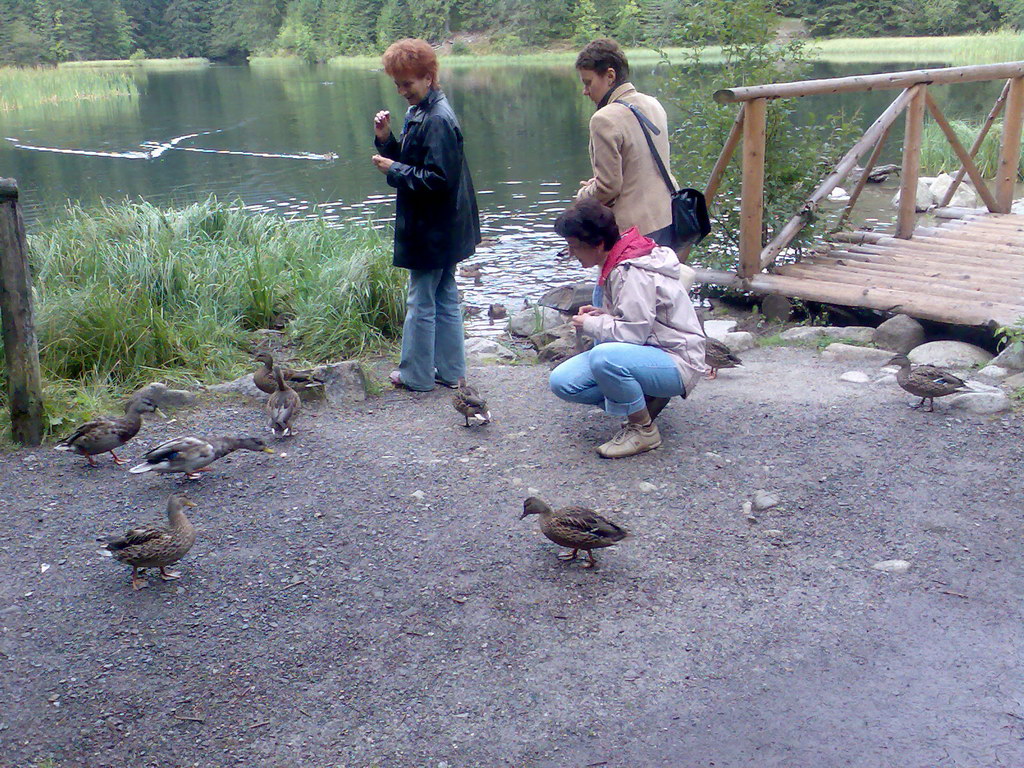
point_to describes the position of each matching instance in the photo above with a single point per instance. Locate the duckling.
(300, 381)
(575, 527)
(104, 434)
(154, 545)
(717, 355)
(282, 406)
(926, 381)
(496, 312)
(471, 270)
(191, 455)
(470, 404)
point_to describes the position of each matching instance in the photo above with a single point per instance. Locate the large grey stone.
(993, 373)
(241, 386)
(482, 349)
(980, 402)
(1014, 382)
(163, 397)
(344, 381)
(857, 333)
(560, 344)
(717, 329)
(900, 334)
(533, 320)
(964, 197)
(804, 333)
(950, 354)
(850, 353)
(739, 341)
(1011, 357)
(924, 199)
(569, 298)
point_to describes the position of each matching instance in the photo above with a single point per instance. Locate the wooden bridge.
(967, 269)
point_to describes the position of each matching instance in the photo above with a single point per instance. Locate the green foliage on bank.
(22, 88)
(879, 18)
(129, 293)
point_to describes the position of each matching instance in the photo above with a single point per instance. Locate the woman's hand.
(382, 125)
(583, 312)
(383, 163)
(577, 321)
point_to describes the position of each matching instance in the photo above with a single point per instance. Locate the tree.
(628, 29)
(585, 22)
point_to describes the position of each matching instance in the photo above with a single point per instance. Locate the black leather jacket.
(437, 223)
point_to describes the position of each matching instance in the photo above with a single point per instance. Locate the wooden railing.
(913, 99)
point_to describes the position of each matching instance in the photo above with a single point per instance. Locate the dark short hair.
(589, 222)
(411, 57)
(601, 55)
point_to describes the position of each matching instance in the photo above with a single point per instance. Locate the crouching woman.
(649, 346)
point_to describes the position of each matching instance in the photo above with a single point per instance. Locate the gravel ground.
(327, 617)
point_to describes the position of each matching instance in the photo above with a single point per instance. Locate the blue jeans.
(616, 376)
(432, 337)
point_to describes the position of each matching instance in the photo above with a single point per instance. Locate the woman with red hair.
(437, 223)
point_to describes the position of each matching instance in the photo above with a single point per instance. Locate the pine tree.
(585, 22)
(628, 29)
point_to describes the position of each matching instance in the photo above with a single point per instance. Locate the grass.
(937, 155)
(22, 88)
(954, 50)
(188, 63)
(128, 293)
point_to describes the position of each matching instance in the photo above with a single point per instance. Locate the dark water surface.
(297, 140)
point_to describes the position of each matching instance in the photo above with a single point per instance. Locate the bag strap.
(648, 128)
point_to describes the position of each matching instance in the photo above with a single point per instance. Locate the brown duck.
(470, 404)
(154, 545)
(926, 381)
(282, 406)
(263, 377)
(106, 433)
(192, 455)
(496, 312)
(717, 355)
(575, 527)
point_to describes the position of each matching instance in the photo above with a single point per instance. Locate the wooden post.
(20, 345)
(978, 141)
(752, 199)
(1009, 152)
(911, 164)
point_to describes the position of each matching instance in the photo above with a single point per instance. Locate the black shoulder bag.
(690, 220)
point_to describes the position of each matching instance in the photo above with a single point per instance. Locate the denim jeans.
(616, 376)
(432, 337)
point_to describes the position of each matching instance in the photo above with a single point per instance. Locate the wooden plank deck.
(968, 271)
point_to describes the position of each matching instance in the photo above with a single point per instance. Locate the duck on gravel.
(106, 433)
(192, 455)
(926, 381)
(718, 355)
(282, 406)
(155, 545)
(576, 528)
(470, 404)
(265, 380)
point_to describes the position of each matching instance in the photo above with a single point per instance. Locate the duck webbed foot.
(169, 575)
(117, 461)
(138, 582)
(591, 562)
(568, 556)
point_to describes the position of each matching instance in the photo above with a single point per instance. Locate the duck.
(470, 311)
(282, 406)
(718, 355)
(155, 545)
(264, 379)
(496, 312)
(576, 528)
(105, 434)
(192, 455)
(470, 404)
(471, 270)
(926, 381)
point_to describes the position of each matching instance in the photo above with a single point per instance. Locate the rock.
(418, 495)
(481, 349)
(849, 353)
(1012, 357)
(924, 199)
(838, 195)
(559, 343)
(163, 397)
(892, 566)
(241, 386)
(950, 354)
(344, 381)
(980, 402)
(646, 487)
(774, 533)
(964, 197)
(717, 329)
(855, 377)
(776, 307)
(739, 341)
(1014, 382)
(764, 500)
(993, 373)
(569, 298)
(804, 333)
(748, 513)
(534, 320)
(899, 334)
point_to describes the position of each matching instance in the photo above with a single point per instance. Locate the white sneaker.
(631, 440)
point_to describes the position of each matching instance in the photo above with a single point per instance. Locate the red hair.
(411, 56)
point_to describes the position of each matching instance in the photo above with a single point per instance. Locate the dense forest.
(48, 31)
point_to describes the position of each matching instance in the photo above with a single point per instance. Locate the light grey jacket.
(647, 304)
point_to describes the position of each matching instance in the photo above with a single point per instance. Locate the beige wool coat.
(626, 178)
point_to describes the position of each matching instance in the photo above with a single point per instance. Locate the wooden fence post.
(20, 345)
(752, 196)
(1009, 153)
(911, 171)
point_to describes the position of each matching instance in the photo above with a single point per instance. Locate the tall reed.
(35, 86)
(937, 156)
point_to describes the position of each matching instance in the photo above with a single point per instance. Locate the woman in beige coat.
(626, 177)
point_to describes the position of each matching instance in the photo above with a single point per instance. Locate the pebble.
(892, 566)
(774, 533)
(748, 512)
(418, 495)
(855, 377)
(646, 487)
(764, 500)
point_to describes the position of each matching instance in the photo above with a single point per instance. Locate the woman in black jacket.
(437, 223)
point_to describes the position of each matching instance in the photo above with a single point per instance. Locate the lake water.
(297, 141)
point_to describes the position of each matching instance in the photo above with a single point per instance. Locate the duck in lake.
(496, 312)
(107, 433)
(470, 404)
(264, 378)
(156, 545)
(282, 406)
(471, 270)
(926, 381)
(193, 455)
(576, 528)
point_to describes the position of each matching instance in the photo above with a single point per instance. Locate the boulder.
(899, 334)
(776, 307)
(924, 199)
(860, 334)
(480, 349)
(1012, 357)
(569, 298)
(717, 329)
(739, 341)
(343, 382)
(241, 386)
(993, 373)
(163, 397)
(850, 353)
(980, 402)
(950, 354)
(534, 319)
(1014, 382)
(964, 197)
(804, 333)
